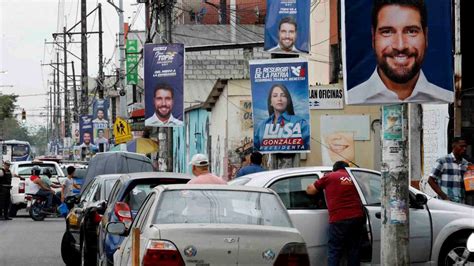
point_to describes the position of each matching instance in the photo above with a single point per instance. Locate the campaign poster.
(287, 26)
(388, 60)
(100, 123)
(164, 82)
(392, 122)
(280, 106)
(86, 129)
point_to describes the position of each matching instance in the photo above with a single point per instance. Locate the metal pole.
(58, 100)
(395, 201)
(67, 130)
(123, 99)
(84, 74)
(457, 69)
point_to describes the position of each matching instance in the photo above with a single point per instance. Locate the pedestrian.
(255, 165)
(346, 214)
(200, 169)
(69, 184)
(5, 186)
(446, 178)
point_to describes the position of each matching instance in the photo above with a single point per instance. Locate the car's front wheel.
(69, 256)
(455, 253)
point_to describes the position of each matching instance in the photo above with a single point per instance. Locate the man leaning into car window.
(346, 216)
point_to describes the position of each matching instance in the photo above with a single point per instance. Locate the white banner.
(325, 97)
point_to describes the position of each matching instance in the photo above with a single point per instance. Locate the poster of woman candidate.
(164, 75)
(280, 105)
(287, 26)
(397, 51)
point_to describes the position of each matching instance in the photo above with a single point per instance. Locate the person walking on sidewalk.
(346, 214)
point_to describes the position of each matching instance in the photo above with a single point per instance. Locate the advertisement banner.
(280, 105)
(100, 124)
(287, 26)
(387, 60)
(325, 98)
(87, 147)
(164, 83)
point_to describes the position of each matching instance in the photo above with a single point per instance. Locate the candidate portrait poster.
(402, 60)
(280, 105)
(86, 129)
(287, 26)
(100, 123)
(164, 77)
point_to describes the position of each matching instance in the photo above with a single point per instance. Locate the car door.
(308, 214)
(369, 186)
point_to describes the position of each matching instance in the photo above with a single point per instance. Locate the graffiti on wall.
(246, 112)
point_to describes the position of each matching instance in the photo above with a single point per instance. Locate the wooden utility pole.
(84, 74)
(395, 200)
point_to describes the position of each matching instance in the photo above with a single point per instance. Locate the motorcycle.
(36, 206)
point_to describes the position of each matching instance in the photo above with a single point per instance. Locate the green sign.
(132, 62)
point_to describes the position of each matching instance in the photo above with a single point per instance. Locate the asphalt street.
(26, 242)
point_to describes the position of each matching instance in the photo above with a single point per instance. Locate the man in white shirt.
(399, 40)
(163, 99)
(287, 30)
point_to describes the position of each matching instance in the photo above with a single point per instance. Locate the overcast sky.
(24, 27)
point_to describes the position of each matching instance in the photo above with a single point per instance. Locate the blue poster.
(287, 26)
(164, 82)
(280, 105)
(85, 127)
(101, 132)
(404, 54)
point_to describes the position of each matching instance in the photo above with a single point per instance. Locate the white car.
(212, 225)
(438, 229)
(22, 171)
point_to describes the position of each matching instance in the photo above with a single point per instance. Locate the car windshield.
(25, 169)
(221, 207)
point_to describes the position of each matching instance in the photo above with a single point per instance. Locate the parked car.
(125, 199)
(79, 242)
(212, 225)
(438, 229)
(22, 171)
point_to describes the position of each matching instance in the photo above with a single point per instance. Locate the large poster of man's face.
(164, 75)
(397, 51)
(287, 26)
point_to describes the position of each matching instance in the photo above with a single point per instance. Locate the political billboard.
(280, 105)
(386, 56)
(287, 26)
(164, 79)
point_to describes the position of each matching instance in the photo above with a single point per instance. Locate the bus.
(16, 150)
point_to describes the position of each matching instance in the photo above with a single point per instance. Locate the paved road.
(26, 242)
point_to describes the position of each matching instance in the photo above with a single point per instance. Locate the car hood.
(218, 244)
(450, 208)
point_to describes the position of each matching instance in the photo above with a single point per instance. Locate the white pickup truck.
(22, 171)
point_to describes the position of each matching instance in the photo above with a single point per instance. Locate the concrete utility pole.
(395, 200)
(457, 69)
(67, 128)
(84, 74)
(123, 95)
(101, 55)
(55, 123)
(58, 100)
(75, 116)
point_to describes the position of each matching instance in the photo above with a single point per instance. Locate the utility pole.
(50, 126)
(457, 69)
(223, 11)
(395, 188)
(67, 131)
(76, 117)
(54, 124)
(58, 100)
(123, 95)
(84, 74)
(101, 64)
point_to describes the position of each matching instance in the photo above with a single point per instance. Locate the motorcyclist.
(38, 187)
(46, 179)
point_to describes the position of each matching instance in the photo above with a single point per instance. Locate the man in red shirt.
(346, 214)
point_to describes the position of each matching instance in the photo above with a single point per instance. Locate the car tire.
(13, 210)
(452, 252)
(88, 257)
(68, 255)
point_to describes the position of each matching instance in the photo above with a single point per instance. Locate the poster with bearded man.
(397, 51)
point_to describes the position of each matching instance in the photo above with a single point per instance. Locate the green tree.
(7, 106)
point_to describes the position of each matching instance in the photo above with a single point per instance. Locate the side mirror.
(470, 243)
(116, 228)
(421, 199)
